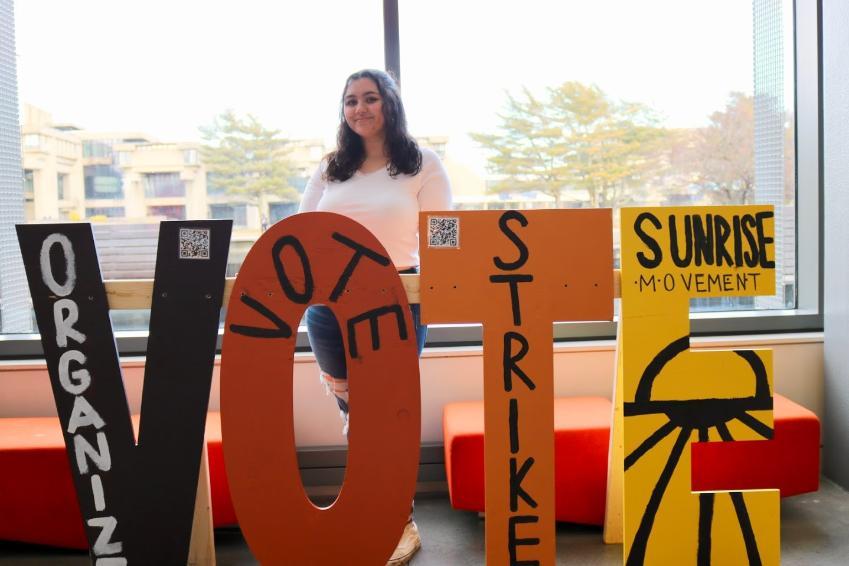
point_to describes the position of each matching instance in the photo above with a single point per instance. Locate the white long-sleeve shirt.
(388, 207)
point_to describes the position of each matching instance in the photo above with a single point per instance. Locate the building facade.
(129, 177)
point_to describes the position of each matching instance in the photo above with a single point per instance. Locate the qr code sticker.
(443, 232)
(194, 243)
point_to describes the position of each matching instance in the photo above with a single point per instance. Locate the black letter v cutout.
(144, 494)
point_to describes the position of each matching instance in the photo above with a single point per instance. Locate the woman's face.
(363, 108)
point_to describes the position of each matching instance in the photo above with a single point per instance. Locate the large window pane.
(144, 138)
(611, 103)
(680, 75)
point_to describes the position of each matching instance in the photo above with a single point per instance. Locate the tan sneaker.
(409, 544)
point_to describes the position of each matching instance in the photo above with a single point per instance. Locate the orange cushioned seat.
(791, 462)
(581, 438)
(37, 500)
(797, 434)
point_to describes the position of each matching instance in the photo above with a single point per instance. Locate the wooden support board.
(202, 545)
(517, 273)
(137, 293)
(669, 396)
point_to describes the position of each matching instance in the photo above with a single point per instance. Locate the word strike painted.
(511, 359)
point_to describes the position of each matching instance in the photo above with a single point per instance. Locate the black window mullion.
(391, 41)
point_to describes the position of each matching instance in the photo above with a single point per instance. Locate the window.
(163, 185)
(103, 182)
(173, 212)
(97, 149)
(29, 183)
(226, 74)
(99, 212)
(700, 123)
(661, 54)
(238, 213)
(61, 179)
(277, 211)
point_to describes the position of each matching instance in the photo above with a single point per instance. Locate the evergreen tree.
(245, 158)
(575, 138)
(526, 153)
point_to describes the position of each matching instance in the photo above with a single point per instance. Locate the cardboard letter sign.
(137, 501)
(671, 396)
(517, 273)
(320, 258)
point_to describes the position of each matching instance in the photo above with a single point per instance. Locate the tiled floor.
(814, 532)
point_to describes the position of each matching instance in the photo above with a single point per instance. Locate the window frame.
(806, 317)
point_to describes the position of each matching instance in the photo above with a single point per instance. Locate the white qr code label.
(443, 232)
(194, 243)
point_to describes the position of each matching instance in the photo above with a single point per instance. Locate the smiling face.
(364, 108)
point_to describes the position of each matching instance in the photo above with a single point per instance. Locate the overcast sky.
(165, 67)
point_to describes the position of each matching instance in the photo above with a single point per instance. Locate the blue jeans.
(326, 341)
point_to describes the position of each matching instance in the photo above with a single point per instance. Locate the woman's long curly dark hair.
(403, 151)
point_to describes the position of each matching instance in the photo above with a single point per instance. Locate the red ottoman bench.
(791, 462)
(37, 500)
(582, 429)
(581, 438)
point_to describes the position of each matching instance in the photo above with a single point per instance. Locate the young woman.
(379, 177)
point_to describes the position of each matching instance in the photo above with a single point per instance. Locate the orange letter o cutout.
(320, 258)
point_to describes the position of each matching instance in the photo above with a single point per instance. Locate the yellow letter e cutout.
(672, 396)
